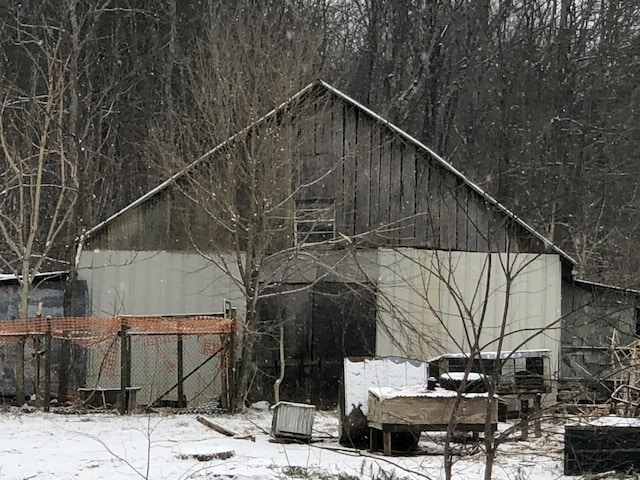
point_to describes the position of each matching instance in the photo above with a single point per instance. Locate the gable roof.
(375, 117)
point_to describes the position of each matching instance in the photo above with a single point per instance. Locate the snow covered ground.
(108, 446)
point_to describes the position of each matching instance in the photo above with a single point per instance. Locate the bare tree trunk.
(278, 382)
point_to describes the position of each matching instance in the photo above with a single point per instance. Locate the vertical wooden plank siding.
(374, 186)
(422, 201)
(386, 140)
(408, 194)
(434, 200)
(325, 161)
(337, 148)
(447, 212)
(497, 232)
(349, 185)
(462, 218)
(363, 173)
(472, 223)
(379, 181)
(395, 192)
(482, 222)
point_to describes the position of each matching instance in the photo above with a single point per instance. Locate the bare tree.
(469, 303)
(243, 188)
(39, 180)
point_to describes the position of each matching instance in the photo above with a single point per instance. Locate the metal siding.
(426, 304)
(140, 283)
(128, 282)
(293, 420)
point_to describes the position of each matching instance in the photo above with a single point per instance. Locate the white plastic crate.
(292, 420)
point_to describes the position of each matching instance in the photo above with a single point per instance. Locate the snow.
(459, 376)
(360, 375)
(613, 421)
(506, 354)
(108, 446)
(419, 391)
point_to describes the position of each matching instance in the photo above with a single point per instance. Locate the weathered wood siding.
(593, 320)
(383, 188)
(393, 193)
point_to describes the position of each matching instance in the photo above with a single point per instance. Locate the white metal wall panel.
(438, 296)
(147, 283)
(143, 283)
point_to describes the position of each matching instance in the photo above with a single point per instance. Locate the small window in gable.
(315, 222)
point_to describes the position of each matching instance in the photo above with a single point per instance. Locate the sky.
(97, 446)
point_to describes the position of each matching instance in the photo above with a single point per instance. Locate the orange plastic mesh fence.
(89, 330)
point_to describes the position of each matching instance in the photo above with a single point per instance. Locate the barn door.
(343, 325)
(323, 324)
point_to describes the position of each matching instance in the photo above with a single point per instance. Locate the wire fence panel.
(166, 361)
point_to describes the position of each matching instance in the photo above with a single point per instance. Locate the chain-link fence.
(117, 362)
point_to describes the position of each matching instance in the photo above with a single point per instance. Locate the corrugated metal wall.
(127, 283)
(430, 302)
(156, 282)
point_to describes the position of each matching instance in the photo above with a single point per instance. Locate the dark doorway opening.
(323, 324)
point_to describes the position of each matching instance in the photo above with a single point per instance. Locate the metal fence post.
(20, 393)
(125, 368)
(47, 366)
(180, 352)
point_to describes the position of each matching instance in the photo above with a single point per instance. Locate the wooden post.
(36, 358)
(224, 373)
(386, 440)
(36, 353)
(524, 414)
(537, 415)
(181, 402)
(63, 374)
(231, 369)
(20, 394)
(125, 368)
(47, 366)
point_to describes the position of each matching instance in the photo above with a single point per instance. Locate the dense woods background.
(537, 101)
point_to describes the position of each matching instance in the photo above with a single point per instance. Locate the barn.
(377, 246)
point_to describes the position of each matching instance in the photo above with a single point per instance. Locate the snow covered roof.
(587, 283)
(10, 277)
(611, 421)
(421, 391)
(494, 355)
(347, 99)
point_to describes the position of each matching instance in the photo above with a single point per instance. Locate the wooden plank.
(386, 141)
(307, 168)
(461, 199)
(472, 219)
(349, 179)
(497, 231)
(363, 173)
(395, 192)
(434, 200)
(215, 427)
(325, 161)
(408, 195)
(337, 150)
(447, 218)
(482, 223)
(422, 201)
(374, 181)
